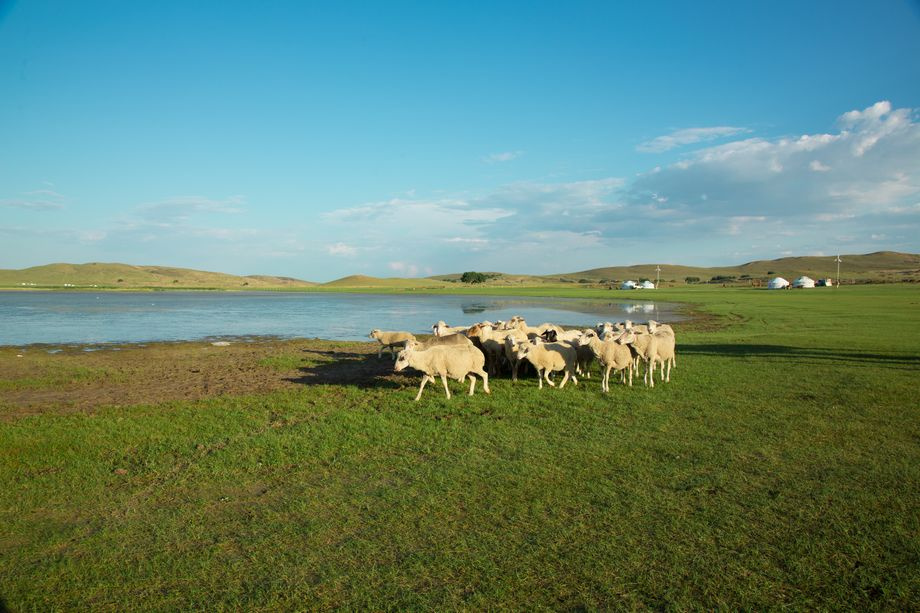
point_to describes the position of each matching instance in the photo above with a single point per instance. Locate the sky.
(317, 140)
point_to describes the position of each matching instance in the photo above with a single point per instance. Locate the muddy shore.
(79, 378)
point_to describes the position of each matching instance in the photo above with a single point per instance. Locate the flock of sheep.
(486, 348)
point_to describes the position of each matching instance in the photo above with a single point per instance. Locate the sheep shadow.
(816, 354)
(363, 370)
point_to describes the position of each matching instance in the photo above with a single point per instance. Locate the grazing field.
(779, 468)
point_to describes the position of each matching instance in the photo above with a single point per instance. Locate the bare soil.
(84, 378)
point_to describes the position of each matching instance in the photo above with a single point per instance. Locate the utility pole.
(838, 260)
(658, 277)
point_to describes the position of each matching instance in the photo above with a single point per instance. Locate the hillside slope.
(878, 266)
(128, 276)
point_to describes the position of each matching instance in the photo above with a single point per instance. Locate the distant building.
(825, 282)
(646, 285)
(803, 282)
(778, 283)
(629, 285)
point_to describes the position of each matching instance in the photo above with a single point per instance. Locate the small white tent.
(778, 283)
(646, 285)
(628, 285)
(803, 282)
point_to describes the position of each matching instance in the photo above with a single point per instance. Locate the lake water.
(118, 317)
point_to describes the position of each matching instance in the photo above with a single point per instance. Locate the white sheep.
(514, 337)
(547, 358)
(450, 339)
(388, 340)
(653, 349)
(612, 354)
(442, 329)
(492, 342)
(456, 362)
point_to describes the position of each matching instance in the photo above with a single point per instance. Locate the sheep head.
(375, 333)
(402, 358)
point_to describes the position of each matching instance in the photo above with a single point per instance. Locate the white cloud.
(504, 156)
(817, 166)
(183, 207)
(36, 200)
(404, 268)
(341, 249)
(687, 136)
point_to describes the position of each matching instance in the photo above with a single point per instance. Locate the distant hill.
(358, 281)
(878, 266)
(98, 274)
(881, 266)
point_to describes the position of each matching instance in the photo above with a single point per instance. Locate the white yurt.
(778, 283)
(646, 285)
(803, 282)
(628, 285)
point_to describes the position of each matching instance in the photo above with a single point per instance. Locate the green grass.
(779, 469)
(57, 375)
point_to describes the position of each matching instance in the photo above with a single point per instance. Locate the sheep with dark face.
(454, 361)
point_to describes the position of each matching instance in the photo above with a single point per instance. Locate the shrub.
(473, 277)
(692, 279)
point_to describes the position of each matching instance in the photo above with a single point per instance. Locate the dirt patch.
(83, 378)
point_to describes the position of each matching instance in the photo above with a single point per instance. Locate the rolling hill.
(878, 266)
(98, 274)
(881, 266)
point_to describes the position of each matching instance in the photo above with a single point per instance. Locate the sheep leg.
(380, 352)
(485, 381)
(546, 374)
(421, 387)
(444, 381)
(472, 383)
(514, 369)
(565, 377)
(540, 378)
(605, 384)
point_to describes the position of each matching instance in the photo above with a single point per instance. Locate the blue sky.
(414, 138)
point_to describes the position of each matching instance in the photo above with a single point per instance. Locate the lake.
(28, 317)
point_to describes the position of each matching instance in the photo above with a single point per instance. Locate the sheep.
(450, 339)
(584, 357)
(548, 358)
(442, 329)
(492, 343)
(518, 323)
(388, 340)
(511, 340)
(652, 348)
(613, 355)
(456, 362)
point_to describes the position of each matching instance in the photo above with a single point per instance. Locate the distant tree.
(722, 278)
(585, 281)
(473, 277)
(175, 280)
(121, 280)
(692, 279)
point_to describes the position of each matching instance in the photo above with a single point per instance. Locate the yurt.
(803, 282)
(646, 285)
(628, 285)
(825, 282)
(778, 283)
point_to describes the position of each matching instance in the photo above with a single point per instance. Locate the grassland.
(779, 469)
